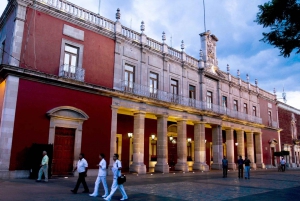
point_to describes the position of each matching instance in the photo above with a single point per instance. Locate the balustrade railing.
(191, 60)
(71, 72)
(154, 44)
(174, 53)
(129, 33)
(141, 90)
(81, 13)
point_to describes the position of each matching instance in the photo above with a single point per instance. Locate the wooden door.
(172, 153)
(63, 151)
(272, 155)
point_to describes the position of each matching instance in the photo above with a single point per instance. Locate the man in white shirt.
(82, 168)
(116, 169)
(44, 167)
(282, 162)
(101, 177)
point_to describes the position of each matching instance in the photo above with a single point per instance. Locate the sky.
(231, 21)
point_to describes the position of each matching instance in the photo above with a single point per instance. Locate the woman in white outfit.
(101, 177)
(116, 169)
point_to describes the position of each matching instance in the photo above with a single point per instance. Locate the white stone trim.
(7, 120)
(73, 32)
(62, 52)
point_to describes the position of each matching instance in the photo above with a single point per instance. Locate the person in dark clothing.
(240, 163)
(82, 168)
(225, 166)
(247, 168)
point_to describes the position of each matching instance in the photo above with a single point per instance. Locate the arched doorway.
(65, 133)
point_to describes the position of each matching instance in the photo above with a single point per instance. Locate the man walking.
(101, 177)
(116, 169)
(282, 163)
(247, 168)
(82, 168)
(225, 166)
(44, 167)
(240, 163)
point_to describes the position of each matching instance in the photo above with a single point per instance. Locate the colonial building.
(289, 136)
(84, 83)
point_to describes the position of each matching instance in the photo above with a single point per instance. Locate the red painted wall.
(268, 135)
(264, 111)
(98, 53)
(32, 124)
(285, 118)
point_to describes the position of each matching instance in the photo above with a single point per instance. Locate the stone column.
(259, 153)
(181, 147)
(200, 148)
(138, 165)
(250, 149)
(113, 135)
(162, 145)
(240, 141)
(217, 146)
(10, 96)
(230, 148)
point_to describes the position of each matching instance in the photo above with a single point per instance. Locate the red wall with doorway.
(32, 124)
(268, 135)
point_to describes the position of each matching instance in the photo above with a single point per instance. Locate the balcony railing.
(71, 72)
(272, 124)
(141, 90)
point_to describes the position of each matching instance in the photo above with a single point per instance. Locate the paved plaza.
(263, 185)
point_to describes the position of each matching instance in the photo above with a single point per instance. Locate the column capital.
(139, 112)
(162, 115)
(114, 107)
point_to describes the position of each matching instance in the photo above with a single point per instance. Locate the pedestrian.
(101, 177)
(82, 168)
(44, 168)
(247, 168)
(282, 163)
(116, 169)
(225, 166)
(240, 163)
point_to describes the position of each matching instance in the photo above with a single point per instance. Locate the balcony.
(71, 72)
(272, 124)
(141, 90)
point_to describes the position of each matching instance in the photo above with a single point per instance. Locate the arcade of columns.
(162, 165)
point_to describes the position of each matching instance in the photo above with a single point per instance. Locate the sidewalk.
(156, 186)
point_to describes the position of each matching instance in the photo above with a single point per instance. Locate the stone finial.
(274, 91)
(228, 68)
(201, 55)
(256, 82)
(118, 14)
(182, 45)
(163, 37)
(142, 26)
(238, 73)
(247, 76)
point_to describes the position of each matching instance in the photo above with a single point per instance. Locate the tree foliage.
(283, 19)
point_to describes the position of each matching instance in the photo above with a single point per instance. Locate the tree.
(283, 19)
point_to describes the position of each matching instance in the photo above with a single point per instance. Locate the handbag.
(121, 179)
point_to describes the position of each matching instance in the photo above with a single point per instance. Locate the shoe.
(124, 198)
(107, 198)
(104, 196)
(93, 195)
(85, 191)
(38, 180)
(73, 191)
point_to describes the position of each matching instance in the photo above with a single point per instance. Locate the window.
(70, 59)
(192, 95)
(192, 92)
(209, 99)
(2, 53)
(245, 108)
(235, 105)
(270, 118)
(174, 90)
(129, 77)
(153, 84)
(254, 110)
(224, 102)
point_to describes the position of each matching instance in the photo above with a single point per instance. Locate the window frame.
(153, 90)
(245, 108)
(2, 50)
(235, 105)
(254, 111)
(209, 97)
(172, 88)
(76, 45)
(192, 93)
